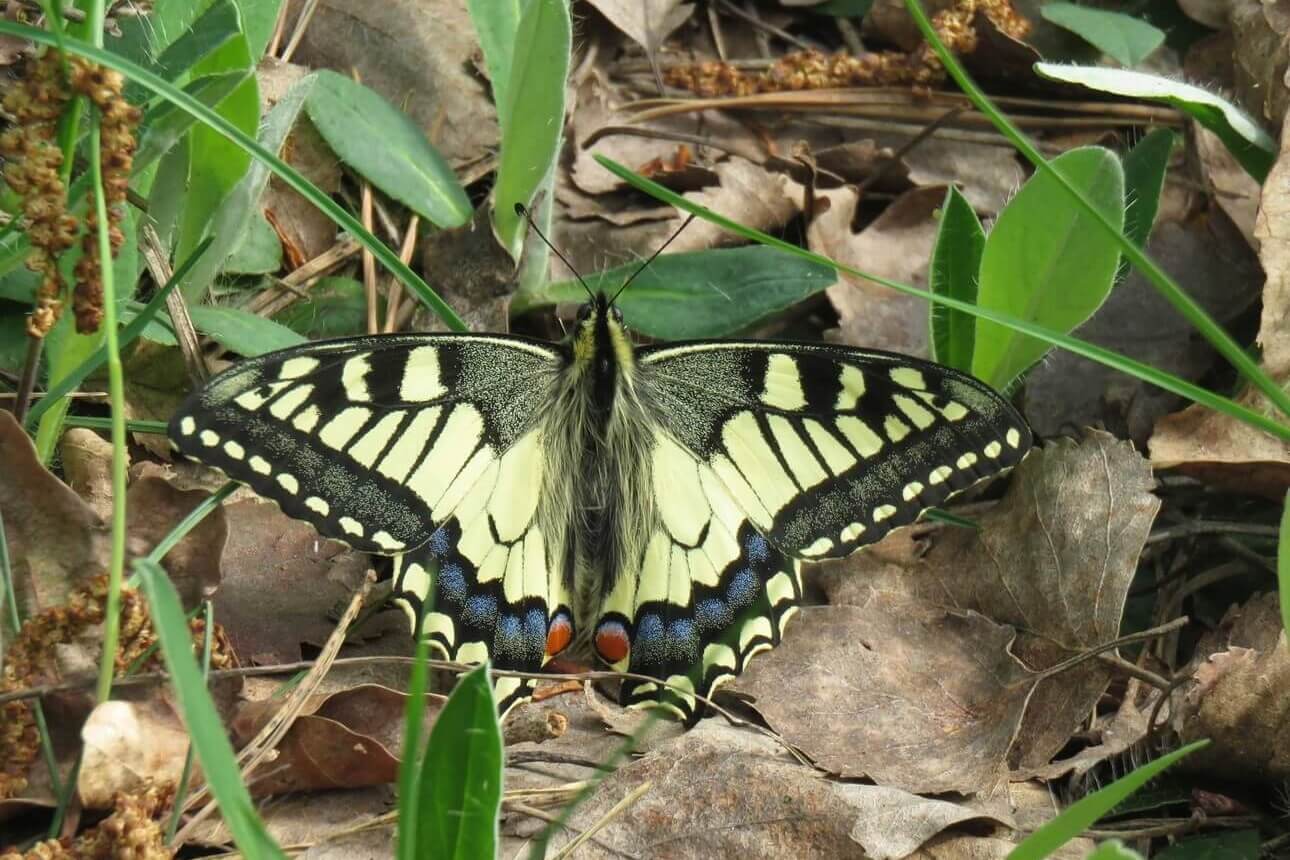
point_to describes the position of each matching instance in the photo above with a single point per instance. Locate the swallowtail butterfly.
(651, 506)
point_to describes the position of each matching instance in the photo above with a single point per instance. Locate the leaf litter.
(943, 685)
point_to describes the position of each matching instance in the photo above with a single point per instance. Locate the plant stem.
(1181, 301)
(116, 391)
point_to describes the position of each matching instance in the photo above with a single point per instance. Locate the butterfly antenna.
(523, 212)
(642, 266)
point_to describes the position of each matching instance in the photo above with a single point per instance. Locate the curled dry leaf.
(1054, 557)
(893, 824)
(279, 582)
(1211, 445)
(56, 540)
(1239, 703)
(1260, 36)
(348, 739)
(897, 245)
(87, 466)
(153, 508)
(129, 746)
(646, 22)
(910, 694)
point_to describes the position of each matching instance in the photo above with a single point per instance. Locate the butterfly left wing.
(827, 448)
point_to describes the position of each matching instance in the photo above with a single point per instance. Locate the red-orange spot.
(558, 635)
(611, 642)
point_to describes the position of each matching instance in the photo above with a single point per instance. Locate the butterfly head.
(600, 339)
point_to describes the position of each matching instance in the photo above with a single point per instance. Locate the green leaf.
(1122, 37)
(532, 118)
(1114, 849)
(242, 332)
(163, 124)
(333, 307)
(698, 294)
(956, 265)
(1232, 845)
(496, 22)
(230, 219)
(461, 775)
(1046, 262)
(259, 17)
(209, 739)
(1144, 178)
(1243, 137)
(1082, 814)
(211, 31)
(843, 8)
(386, 148)
(1283, 566)
(258, 250)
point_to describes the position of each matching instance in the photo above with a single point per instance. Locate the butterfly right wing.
(373, 440)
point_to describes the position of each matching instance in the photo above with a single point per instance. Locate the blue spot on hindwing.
(481, 611)
(439, 542)
(756, 549)
(742, 589)
(452, 583)
(712, 614)
(648, 647)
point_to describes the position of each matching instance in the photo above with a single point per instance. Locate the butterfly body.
(648, 506)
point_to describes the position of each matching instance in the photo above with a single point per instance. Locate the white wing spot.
(288, 403)
(911, 491)
(354, 378)
(209, 438)
(250, 400)
(385, 540)
(908, 377)
(954, 411)
(351, 526)
(187, 426)
(939, 475)
(1013, 438)
(852, 382)
(783, 383)
(852, 532)
(421, 378)
(234, 450)
(895, 428)
(820, 547)
(914, 411)
(967, 461)
(882, 512)
(993, 450)
(294, 368)
(318, 506)
(307, 419)
(259, 465)
(288, 483)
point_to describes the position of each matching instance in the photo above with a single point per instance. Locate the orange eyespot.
(558, 635)
(611, 642)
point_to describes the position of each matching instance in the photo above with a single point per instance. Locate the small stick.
(396, 292)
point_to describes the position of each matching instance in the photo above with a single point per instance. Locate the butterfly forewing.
(372, 440)
(827, 448)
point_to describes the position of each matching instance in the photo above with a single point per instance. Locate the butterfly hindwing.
(711, 591)
(372, 440)
(828, 448)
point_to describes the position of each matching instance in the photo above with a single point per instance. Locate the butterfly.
(651, 506)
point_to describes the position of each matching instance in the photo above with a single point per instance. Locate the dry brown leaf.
(280, 581)
(1211, 13)
(317, 818)
(1211, 445)
(56, 541)
(1053, 559)
(648, 23)
(717, 791)
(419, 55)
(1261, 35)
(128, 746)
(897, 245)
(1114, 735)
(1235, 191)
(1208, 259)
(897, 689)
(348, 739)
(987, 175)
(1239, 703)
(87, 468)
(153, 508)
(893, 824)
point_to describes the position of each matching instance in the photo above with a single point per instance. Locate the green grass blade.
(131, 330)
(461, 775)
(283, 171)
(1182, 302)
(409, 764)
(1081, 815)
(955, 270)
(1115, 360)
(219, 764)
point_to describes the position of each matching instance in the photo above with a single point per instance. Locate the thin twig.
(395, 292)
(618, 809)
(1084, 656)
(909, 146)
(190, 347)
(543, 815)
(27, 382)
(302, 24)
(1191, 528)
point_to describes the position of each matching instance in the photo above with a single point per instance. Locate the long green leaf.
(955, 270)
(699, 294)
(1046, 262)
(242, 332)
(405, 166)
(1115, 360)
(496, 22)
(164, 124)
(1144, 178)
(1116, 34)
(1181, 301)
(287, 174)
(532, 119)
(1081, 815)
(461, 775)
(219, 764)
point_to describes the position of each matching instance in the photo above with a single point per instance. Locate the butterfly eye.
(584, 311)
(616, 313)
